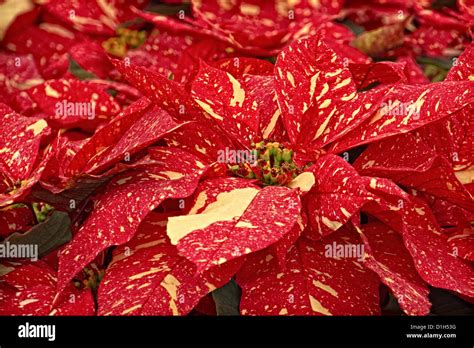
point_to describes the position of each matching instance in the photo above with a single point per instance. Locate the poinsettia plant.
(243, 157)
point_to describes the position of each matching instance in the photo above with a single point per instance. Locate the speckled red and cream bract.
(364, 181)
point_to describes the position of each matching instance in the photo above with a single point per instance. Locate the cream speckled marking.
(373, 183)
(333, 225)
(28, 301)
(143, 274)
(323, 126)
(124, 180)
(207, 108)
(343, 83)
(316, 306)
(131, 309)
(171, 284)
(37, 127)
(290, 78)
(345, 212)
(245, 224)
(51, 92)
(271, 126)
(305, 181)
(227, 206)
(325, 287)
(238, 96)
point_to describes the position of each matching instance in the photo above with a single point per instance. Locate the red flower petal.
(304, 73)
(349, 54)
(413, 71)
(373, 13)
(377, 41)
(238, 218)
(170, 24)
(31, 289)
(466, 6)
(446, 213)
(94, 17)
(138, 126)
(452, 139)
(408, 161)
(387, 256)
(280, 249)
(144, 132)
(462, 243)
(15, 219)
(381, 72)
(432, 255)
(429, 248)
(124, 93)
(224, 98)
(91, 57)
(432, 41)
(148, 277)
(200, 140)
(129, 197)
(463, 68)
(254, 27)
(161, 52)
(19, 72)
(167, 94)
(408, 107)
(25, 185)
(338, 193)
(313, 283)
(20, 141)
(240, 66)
(48, 43)
(319, 93)
(74, 103)
(107, 137)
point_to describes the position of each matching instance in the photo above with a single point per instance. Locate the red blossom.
(299, 151)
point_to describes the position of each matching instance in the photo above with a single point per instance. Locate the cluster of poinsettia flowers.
(153, 159)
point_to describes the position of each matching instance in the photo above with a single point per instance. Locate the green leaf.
(111, 92)
(434, 73)
(439, 62)
(48, 235)
(356, 29)
(169, 10)
(133, 23)
(77, 71)
(227, 299)
(72, 199)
